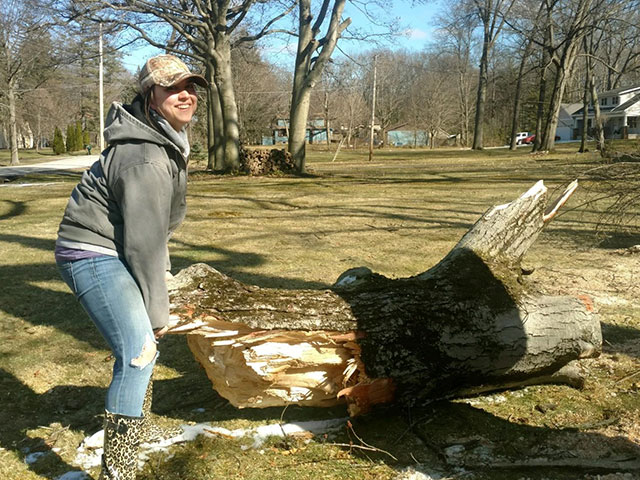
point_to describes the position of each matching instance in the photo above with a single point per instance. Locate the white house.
(564, 131)
(620, 110)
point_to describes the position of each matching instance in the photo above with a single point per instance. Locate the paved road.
(68, 163)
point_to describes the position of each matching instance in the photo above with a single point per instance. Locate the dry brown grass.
(397, 215)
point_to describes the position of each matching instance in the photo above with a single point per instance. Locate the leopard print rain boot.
(121, 442)
(151, 431)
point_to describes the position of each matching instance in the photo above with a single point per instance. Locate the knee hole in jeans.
(147, 354)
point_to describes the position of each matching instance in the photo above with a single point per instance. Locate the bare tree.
(25, 51)
(492, 15)
(525, 51)
(430, 96)
(570, 22)
(526, 28)
(262, 92)
(394, 78)
(312, 56)
(455, 37)
(351, 110)
(205, 31)
(621, 45)
(591, 44)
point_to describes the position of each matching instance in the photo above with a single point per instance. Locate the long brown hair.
(147, 99)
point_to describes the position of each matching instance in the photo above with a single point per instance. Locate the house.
(620, 110)
(565, 121)
(316, 131)
(413, 138)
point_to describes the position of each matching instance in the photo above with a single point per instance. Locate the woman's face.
(176, 104)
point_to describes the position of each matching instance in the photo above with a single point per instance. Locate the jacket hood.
(128, 122)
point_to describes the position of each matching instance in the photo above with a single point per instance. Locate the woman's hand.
(160, 332)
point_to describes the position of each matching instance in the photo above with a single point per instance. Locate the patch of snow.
(90, 451)
(496, 398)
(348, 280)
(417, 473)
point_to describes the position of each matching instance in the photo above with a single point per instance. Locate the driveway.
(80, 162)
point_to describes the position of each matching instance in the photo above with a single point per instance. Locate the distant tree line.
(494, 67)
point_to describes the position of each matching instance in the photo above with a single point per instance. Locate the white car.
(520, 136)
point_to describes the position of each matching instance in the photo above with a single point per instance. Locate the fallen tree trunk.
(465, 326)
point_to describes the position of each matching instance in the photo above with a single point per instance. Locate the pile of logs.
(263, 161)
(469, 324)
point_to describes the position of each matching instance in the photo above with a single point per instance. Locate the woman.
(112, 243)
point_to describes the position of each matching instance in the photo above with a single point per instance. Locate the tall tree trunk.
(215, 123)
(298, 117)
(542, 90)
(597, 117)
(223, 79)
(542, 94)
(551, 119)
(464, 106)
(39, 132)
(585, 109)
(517, 94)
(13, 127)
(483, 80)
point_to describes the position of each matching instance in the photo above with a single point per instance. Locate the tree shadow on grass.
(58, 410)
(453, 437)
(17, 209)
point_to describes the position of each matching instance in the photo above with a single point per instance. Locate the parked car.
(520, 136)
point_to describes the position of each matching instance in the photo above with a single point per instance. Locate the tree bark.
(224, 84)
(597, 117)
(483, 81)
(468, 324)
(215, 123)
(13, 127)
(585, 109)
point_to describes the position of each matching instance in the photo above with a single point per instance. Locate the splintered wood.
(265, 368)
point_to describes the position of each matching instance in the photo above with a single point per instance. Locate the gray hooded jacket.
(130, 201)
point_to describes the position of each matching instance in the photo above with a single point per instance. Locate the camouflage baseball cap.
(166, 71)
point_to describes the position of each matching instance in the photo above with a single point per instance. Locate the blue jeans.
(110, 295)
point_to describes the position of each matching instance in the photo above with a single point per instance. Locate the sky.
(415, 20)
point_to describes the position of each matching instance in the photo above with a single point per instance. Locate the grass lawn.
(397, 215)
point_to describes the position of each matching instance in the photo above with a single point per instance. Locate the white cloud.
(415, 34)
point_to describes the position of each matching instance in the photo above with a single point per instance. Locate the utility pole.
(326, 116)
(101, 93)
(373, 108)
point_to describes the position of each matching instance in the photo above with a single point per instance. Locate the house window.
(615, 100)
(632, 122)
(603, 101)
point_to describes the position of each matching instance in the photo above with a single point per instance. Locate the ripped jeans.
(110, 295)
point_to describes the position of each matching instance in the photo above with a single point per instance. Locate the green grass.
(397, 215)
